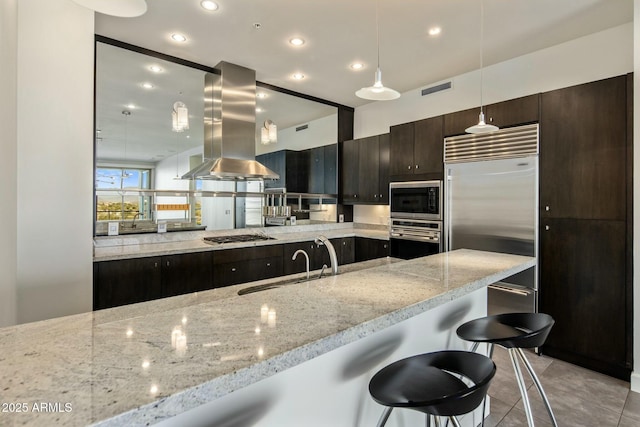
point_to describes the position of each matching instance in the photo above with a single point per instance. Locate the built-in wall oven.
(415, 227)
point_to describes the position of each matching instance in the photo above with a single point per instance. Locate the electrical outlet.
(341, 218)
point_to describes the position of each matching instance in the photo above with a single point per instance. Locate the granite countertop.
(138, 364)
(137, 246)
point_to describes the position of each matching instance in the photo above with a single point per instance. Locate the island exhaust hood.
(230, 127)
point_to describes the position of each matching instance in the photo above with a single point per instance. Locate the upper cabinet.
(322, 169)
(514, 112)
(365, 170)
(416, 150)
(583, 151)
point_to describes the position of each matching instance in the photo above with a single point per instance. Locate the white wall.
(578, 61)
(54, 159)
(635, 376)
(323, 131)
(8, 168)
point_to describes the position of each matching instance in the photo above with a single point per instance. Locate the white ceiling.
(337, 33)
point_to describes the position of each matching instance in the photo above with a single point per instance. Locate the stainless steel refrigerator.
(491, 193)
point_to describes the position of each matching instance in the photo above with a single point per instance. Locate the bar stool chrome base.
(514, 331)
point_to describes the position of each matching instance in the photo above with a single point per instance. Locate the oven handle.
(415, 238)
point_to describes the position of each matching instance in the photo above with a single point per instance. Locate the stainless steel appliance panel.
(493, 206)
(509, 298)
(416, 199)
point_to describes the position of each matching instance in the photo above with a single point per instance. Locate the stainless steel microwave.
(416, 199)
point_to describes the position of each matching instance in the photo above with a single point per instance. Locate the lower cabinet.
(345, 249)
(129, 281)
(367, 249)
(241, 265)
(584, 286)
(126, 281)
(186, 273)
(133, 280)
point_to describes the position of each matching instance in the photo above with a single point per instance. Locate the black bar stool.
(434, 383)
(513, 331)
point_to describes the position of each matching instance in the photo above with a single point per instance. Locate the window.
(119, 206)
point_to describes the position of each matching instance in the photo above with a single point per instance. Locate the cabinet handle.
(233, 269)
(355, 196)
(268, 264)
(381, 196)
(155, 264)
(409, 167)
(344, 243)
(546, 208)
(168, 263)
(417, 166)
(375, 196)
(385, 246)
(546, 227)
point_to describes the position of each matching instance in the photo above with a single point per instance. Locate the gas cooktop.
(237, 238)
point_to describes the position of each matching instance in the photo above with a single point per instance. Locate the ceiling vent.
(436, 88)
(303, 127)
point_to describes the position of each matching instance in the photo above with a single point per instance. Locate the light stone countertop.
(138, 364)
(147, 245)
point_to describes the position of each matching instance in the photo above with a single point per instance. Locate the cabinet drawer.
(246, 254)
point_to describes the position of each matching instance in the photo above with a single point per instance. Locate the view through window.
(118, 206)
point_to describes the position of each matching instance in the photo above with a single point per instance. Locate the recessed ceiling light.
(131, 106)
(147, 85)
(261, 95)
(298, 76)
(296, 41)
(435, 31)
(155, 69)
(209, 5)
(357, 66)
(258, 110)
(178, 37)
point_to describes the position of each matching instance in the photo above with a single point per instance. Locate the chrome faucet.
(133, 223)
(300, 251)
(322, 240)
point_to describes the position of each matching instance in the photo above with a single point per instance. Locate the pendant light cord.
(481, 48)
(378, 31)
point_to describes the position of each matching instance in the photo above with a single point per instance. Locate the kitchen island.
(298, 354)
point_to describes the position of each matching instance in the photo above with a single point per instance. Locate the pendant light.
(482, 126)
(120, 8)
(378, 92)
(180, 117)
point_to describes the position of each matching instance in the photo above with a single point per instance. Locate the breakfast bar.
(295, 353)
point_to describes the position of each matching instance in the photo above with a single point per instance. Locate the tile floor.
(578, 397)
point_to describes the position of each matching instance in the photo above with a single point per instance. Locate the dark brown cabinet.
(292, 166)
(416, 150)
(365, 170)
(585, 260)
(582, 286)
(241, 265)
(583, 151)
(126, 281)
(345, 250)
(185, 273)
(367, 249)
(350, 163)
(322, 169)
(514, 112)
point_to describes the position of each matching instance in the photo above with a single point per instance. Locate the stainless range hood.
(230, 127)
